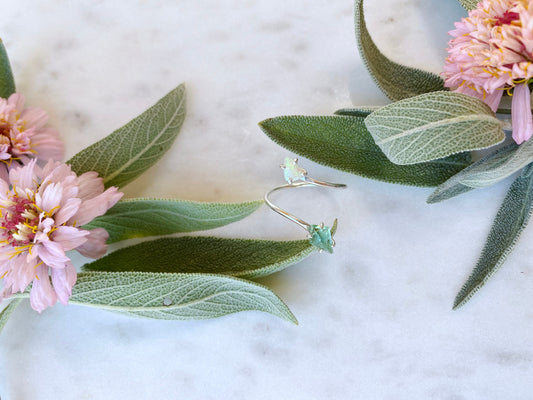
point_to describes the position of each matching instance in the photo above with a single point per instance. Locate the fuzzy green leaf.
(343, 142)
(432, 126)
(486, 171)
(129, 151)
(7, 82)
(469, 4)
(397, 81)
(174, 296)
(357, 112)
(245, 258)
(149, 217)
(7, 311)
(509, 223)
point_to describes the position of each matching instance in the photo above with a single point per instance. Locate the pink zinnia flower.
(492, 51)
(41, 211)
(23, 134)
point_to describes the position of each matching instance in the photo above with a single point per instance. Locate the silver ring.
(320, 236)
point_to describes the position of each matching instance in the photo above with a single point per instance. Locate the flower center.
(15, 136)
(507, 18)
(20, 220)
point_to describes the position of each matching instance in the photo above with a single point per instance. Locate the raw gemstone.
(292, 171)
(321, 237)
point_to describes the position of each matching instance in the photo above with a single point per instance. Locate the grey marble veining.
(375, 319)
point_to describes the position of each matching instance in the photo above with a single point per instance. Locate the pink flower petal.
(56, 172)
(50, 198)
(17, 100)
(4, 152)
(18, 273)
(493, 99)
(4, 187)
(92, 208)
(522, 119)
(95, 246)
(69, 237)
(66, 211)
(42, 294)
(469, 91)
(23, 273)
(50, 166)
(24, 177)
(48, 145)
(63, 280)
(6, 293)
(34, 117)
(52, 254)
(90, 185)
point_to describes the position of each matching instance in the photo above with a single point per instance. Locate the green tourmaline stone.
(321, 237)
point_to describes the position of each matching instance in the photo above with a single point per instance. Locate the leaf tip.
(459, 301)
(292, 319)
(433, 198)
(264, 123)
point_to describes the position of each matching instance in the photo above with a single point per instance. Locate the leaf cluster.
(424, 138)
(169, 278)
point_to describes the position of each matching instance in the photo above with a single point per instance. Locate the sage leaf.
(7, 82)
(395, 80)
(486, 171)
(433, 125)
(133, 218)
(509, 223)
(7, 311)
(174, 296)
(343, 142)
(357, 112)
(244, 258)
(469, 4)
(130, 150)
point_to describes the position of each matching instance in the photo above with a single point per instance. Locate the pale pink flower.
(24, 135)
(41, 211)
(492, 51)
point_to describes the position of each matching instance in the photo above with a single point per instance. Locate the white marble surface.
(375, 318)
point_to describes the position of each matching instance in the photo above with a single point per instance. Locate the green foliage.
(174, 296)
(7, 82)
(469, 4)
(7, 311)
(245, 258)
(149, 217)
(129, 151)
(486, 171)
(357, 112)
(509, 223)
(433, 125)
(397, 81)
(343, 142)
